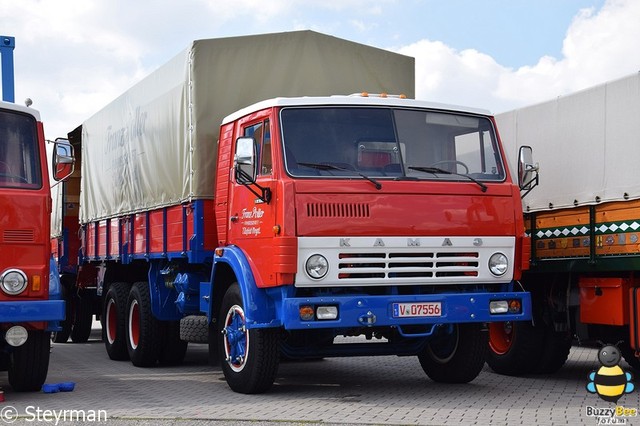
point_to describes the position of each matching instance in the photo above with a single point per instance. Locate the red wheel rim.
(134, 324)
(501, 337)
(112, 321)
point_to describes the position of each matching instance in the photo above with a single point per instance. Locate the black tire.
(29, 363)
(555, 352)
(251, 364)
(82, 320)
(142, 329)
(63, 335)
(629, 355)
(172, 348)
(114, 320)
(457, 357)
(519, 354)
(194, 329)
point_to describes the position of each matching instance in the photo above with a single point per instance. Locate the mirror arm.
(264, 194)
(533, 181)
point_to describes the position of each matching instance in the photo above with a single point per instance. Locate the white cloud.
(446, 75)
(74, 56)
(599, 46)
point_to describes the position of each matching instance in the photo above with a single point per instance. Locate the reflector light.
(515, 306)
(36, 286)
(307, 313)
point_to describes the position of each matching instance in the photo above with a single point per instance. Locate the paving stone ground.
(384, 390)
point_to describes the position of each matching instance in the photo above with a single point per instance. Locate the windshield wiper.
(435, 170)
(320, 166)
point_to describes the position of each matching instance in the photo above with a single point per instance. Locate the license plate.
(409, 310)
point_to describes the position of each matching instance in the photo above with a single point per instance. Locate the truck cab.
(29, 286)
(381, 217)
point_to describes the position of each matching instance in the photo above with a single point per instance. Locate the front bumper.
(375, 311)
(31, 311)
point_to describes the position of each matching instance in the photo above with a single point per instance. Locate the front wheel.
(29, 363)
(249, 358)
(515, 348)
(456, 354)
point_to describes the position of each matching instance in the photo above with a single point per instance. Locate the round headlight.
(317, 266)
(498, 264)
(13, 281)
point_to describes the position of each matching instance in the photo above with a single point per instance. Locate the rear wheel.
(83, 319)
(114, 320)
(249, 358)
(63, 335)
(29, 363)
(142, 331)
(515, 347)
(555, 351)
(629, 355)
(456, 355)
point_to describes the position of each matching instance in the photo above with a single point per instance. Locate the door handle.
(234, 218)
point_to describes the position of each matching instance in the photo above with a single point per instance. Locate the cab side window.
(262, 135)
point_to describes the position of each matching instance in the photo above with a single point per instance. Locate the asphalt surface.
(384, 390)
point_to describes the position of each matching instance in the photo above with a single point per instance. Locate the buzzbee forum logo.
(610, 381)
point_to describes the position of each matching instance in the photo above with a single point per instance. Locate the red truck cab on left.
(30, 305)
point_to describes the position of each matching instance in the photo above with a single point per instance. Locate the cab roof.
(20, 108)
(351, 100)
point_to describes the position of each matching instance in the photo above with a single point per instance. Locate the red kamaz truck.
(311, 226)
(30, 305)
(584, 222)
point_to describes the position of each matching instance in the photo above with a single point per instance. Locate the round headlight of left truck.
(317, 266)
(13, 281)
(498, 264)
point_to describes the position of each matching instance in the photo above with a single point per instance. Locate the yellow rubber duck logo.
(610, 381)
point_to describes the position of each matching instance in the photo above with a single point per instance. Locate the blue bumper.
(32, 310)
(374, 311)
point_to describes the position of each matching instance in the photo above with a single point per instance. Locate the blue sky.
(74, 56)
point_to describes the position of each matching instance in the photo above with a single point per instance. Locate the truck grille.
(400, 261)
(337, 210)
(18, 235)
(398, 265)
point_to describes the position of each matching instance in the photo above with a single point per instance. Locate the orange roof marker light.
(379, 95)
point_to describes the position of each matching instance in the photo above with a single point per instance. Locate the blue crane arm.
(7, 44)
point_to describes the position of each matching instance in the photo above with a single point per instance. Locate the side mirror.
(527, 170)
(244, 162)
(64, 162)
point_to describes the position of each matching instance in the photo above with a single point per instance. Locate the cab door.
(252, 216)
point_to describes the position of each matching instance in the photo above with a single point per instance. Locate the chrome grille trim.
(375, 261)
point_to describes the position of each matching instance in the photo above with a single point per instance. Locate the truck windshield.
(19, 159)
(389, 142)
